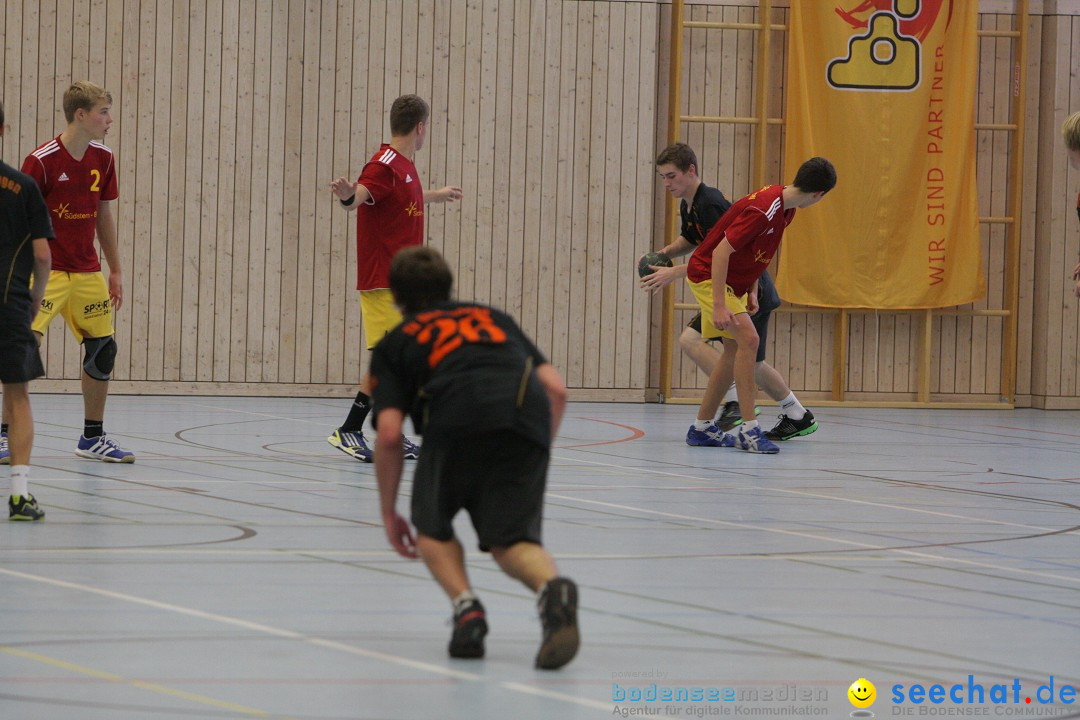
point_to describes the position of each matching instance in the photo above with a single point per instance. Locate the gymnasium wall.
(231, 117)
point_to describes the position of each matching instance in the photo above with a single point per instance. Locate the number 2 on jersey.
(96, 185)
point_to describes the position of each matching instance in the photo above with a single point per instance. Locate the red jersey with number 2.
(392, 218)
(72, 190)
(754, 227)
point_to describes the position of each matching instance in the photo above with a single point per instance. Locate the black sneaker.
(24, 507)
(788, 428)
(558, 614)
(731, 416)
(470, 627)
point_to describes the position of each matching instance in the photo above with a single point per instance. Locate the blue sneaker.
(5, 453)
(711, 436)
(103, 448)
(754, 441)
(411, 449)
(353, 444)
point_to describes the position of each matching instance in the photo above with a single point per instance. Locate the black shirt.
(23, 217)
(704, 210)
(462, 368)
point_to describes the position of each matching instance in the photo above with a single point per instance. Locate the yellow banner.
(885, 89)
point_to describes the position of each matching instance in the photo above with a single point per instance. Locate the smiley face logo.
(862, 693)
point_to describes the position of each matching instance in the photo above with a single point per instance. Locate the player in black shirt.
(488, 405)
(678, 168)
(25, 231)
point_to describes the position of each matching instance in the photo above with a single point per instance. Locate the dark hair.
(680, 155)
(406, 113)
(420, 278)
(815, 175)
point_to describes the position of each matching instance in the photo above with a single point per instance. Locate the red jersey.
(392, 218)
(753, 226)
(72, 190)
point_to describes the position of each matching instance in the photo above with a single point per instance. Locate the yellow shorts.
(379, 314)
(703, 294)
(82, 299)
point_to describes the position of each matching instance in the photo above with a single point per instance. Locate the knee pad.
(99, 357)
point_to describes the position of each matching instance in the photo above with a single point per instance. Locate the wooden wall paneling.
(585, 87)
(212, 180)
(506, 285)
(610, 301)
(159, 182)
(301, 191)
(259, 205)
(193, 183)
(135, 225)
(627, 293)
(1068, 302)
(244, 245)
(433, 163)
(565, 155)
(658, 202)
(856, 323)
(80, 39)
(548, 305)
(885, 350)
(9, 73)
(532, 136)
(64, 51)
(281, 49)
(293, 99)
(470, 149)
(35, 114)
(457, 145)
(340, 301)
(326, 321)
(1029, 215)
(99, 11)
(481, 190)
(599, 133)
(644, 184)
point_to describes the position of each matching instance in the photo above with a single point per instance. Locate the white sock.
(20, 476)
(466, 596)
(792, 407)
(749, 425)
(731, 395)
(702, 425)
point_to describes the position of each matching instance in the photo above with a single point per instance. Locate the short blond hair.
(83, 96)
(1070, 131)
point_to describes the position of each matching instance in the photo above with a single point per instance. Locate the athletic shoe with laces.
(753, 440)
(731, 416)
(5, 452)
(711, 436)
(558, 615)
(103, 448)
(411, 449)
(353, 444)
(470, 627)
(24, 507)
(788, 428)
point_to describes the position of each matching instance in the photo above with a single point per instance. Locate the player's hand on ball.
(400, 536)
(661, 277)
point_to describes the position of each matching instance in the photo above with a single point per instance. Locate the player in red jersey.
(1070, 131)
(77, 177)
(389, 202)
(739, 248)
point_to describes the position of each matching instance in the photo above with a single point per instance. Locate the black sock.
(3, 428)
(360, 408)
(93, 428)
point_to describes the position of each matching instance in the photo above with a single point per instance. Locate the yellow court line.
(152, 687)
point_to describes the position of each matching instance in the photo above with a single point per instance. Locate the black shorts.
(761, 323)
(20, 360)
(499, 478)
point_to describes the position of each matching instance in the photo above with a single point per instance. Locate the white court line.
(310, 640)
(868, 546)
(804, 493)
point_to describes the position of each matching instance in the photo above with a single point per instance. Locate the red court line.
(635, 434)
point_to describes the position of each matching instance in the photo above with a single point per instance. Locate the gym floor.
(239, 569)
